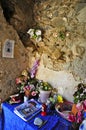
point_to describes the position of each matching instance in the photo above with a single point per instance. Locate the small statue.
(44, 109)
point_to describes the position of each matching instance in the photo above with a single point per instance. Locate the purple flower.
(34, 69)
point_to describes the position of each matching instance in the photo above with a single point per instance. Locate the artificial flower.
(31, 32)
(18, 80)
(80, 93)
(38, 39)
(84, 105)
(71, 117)
(24, 73)
(34, 68)
(60, 99)
(80, 103)
(79, 117)
(79, 106)
(34, 93)
(35, 34)
(38, 32)
(44, 85)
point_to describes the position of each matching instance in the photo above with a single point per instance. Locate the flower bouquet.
(44, 90)
(45, 86)
(27, 82)
(79, 106)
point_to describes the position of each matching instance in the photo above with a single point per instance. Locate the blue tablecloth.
(12, 122)
(0, 121)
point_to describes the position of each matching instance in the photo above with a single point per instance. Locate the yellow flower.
(59, 99)
(25, 73)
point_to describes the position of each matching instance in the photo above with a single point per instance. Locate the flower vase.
(44, 95)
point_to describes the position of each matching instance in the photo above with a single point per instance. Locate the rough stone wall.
(10, 67)
(19, 13)
(64, 39)
(63, 47)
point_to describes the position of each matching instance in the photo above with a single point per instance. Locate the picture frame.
(8, 49)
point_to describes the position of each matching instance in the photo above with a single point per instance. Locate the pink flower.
(79, 117)
(72, 118)
(33, 93)
(79, 106)
(18, 80)
(84, 105)
(27, 87)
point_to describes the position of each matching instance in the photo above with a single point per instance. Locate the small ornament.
(38, 121)
(44, 108)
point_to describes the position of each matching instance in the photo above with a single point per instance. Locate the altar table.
(10, 121)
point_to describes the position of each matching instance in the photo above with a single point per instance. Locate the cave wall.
(19, 14)
(64, 40)
(10, 67)
(63, 48)
(61, 51)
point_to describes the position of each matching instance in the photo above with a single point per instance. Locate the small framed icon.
(8, 49)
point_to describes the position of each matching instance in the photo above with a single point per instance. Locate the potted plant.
(44, 91)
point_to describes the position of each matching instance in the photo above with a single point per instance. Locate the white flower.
(81, 94)
(32, 86)
(38, 39)
(84, 90)
(38, 32)
(31, 32)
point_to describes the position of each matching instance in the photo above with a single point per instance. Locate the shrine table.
(10, 121)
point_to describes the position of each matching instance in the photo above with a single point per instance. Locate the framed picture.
(8, 49)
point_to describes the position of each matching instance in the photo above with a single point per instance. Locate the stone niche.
(62, 50)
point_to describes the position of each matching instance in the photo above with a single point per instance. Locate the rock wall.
(61, 51)
(64, 40)
(19, 13)
(10, 67)
(63, 47)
